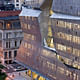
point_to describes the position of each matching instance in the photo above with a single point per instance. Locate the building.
(67, 7)
(10, 35)
(18, 3)
(33, 3)
(46, 45)
(66, 30)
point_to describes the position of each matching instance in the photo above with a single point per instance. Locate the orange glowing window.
(8, 25)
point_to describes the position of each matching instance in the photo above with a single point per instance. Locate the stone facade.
(10, 36)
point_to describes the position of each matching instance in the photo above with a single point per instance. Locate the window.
(17, 0)
(15, 53)
(17, 24)
(8, 25)
(9, 54)
(5, 55)
(20, 41)
(61, 47)
(9, 44)
(28, 26)
(29, 46)
(15, 34)
(8, 35)
(76, 52)
(1, 25)
(69, 49)
(15, 43)
(17, 4)
(61, 23)
(26, 45)
(6, 44)
(68, 25)
(33, 37)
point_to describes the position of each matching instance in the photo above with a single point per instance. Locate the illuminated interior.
(8, 25)
(50, 42)
(41, 78)
(34, 75)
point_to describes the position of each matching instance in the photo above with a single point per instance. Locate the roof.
(30, 12)
(64, 16)
(9, 13)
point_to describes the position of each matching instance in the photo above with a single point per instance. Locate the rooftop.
(30, 12)
(64, 16)
(9, 13)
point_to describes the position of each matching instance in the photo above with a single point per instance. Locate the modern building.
(50, 46)
(66, 29)
(10, 35)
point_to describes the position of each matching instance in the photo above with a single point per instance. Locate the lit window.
(76, 52)
(28, 26)
(29, 46)
(69, 49)
(33, 37)
(61, 23)
(68, 25)
(8, 26)
(61, 47)
(25, 45)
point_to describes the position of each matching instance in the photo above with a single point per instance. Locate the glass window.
(17, 0)
(25, 45)
(76, 52)
(15, 43)
(61, 47)
(16, 25)
(9, 54)
(29, 26)
(69, 49)
(29, 46)
(68, 25)
(17, 4)
(33, 37)
(61, 23)
(15, 53)
(1, 25)
(6, 44)
(5, 55)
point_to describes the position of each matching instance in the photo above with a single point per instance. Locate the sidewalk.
(19, 76)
